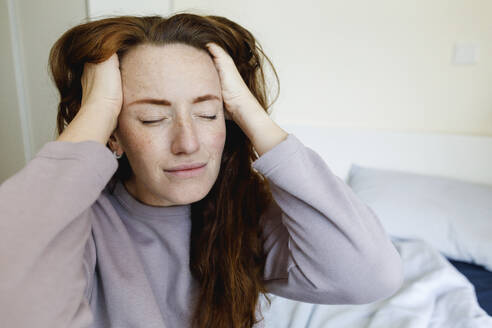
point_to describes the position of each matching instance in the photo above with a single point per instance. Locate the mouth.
(186, 167)
(187, 172)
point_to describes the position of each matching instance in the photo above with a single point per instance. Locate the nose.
(185, 139)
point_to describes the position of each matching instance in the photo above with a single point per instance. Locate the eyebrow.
(164, 102)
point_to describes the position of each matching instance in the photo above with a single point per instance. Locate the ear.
(114, 143)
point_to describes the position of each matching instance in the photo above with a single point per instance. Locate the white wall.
(11, 141)
(29, 97)
(100, 8)
(377, 64)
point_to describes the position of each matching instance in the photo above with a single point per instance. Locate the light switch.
(465, 53)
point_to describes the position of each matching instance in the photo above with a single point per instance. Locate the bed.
(433, 195)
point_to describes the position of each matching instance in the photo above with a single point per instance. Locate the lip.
(188, 173)
(186, 167)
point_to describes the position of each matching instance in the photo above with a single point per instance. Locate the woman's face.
(177, 75)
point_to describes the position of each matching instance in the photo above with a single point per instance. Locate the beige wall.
(378, 64)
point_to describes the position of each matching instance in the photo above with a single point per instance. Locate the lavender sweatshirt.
(74, 253)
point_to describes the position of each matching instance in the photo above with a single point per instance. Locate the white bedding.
(434, 294)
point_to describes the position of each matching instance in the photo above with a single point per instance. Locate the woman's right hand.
(102, 99)
(101, 85)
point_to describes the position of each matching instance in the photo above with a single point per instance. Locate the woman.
(135, 240)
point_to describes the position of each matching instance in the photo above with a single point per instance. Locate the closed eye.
(207, 117)
(149, 122)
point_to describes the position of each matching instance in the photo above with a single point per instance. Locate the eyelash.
(207, 117)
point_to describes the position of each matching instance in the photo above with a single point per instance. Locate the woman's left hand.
(235, 93)
(242, 105)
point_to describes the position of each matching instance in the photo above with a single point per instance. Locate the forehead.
(171, 70)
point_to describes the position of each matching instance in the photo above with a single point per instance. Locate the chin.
(189, 196)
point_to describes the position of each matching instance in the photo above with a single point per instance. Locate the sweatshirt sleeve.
(323, 245)
(45, 222)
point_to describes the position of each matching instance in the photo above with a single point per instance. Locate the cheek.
(216, 141)
(137, 144)
(130, 138)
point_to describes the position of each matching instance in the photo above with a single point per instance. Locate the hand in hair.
(102, 98)
(101, 85)
(235, 93)
(243, 106)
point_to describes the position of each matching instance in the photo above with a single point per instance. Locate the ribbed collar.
(139, 209)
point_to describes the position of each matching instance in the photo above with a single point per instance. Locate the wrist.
(89, 124)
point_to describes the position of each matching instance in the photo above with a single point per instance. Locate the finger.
(218, 52)
(211, 48)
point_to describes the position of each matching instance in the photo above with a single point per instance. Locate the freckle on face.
(177, 73)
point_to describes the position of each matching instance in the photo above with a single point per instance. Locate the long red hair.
(226, 253)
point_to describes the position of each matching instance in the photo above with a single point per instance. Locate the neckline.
(139, 209)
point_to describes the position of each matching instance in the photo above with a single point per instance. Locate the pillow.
(452, 215)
